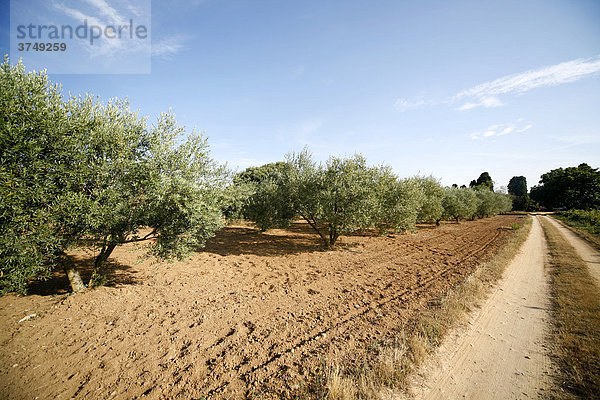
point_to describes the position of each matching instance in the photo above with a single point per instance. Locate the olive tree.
(269, 204)
(431, 208)
(502, 203)
(34, 145)
(345, 194)
(81, 170)
(334, 198)
(398, 203)
(492, 203)
(486, 206)
(460, 203)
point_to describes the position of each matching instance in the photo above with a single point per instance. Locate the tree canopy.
(571, 187)
(78, 169)
(431, 208)
(517, 186)
(460, 203)
(345, 194)
(334, 198)
(261, 173)
(484, 180)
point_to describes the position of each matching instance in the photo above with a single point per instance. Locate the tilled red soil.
(252, 314)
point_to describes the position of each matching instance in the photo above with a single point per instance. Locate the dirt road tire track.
(501, 353)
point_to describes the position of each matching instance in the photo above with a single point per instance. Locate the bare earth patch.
(250, 314)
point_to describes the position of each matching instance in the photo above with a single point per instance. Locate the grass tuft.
(338, 386)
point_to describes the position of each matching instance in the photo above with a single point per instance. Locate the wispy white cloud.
(405, 104)
(468, 106)
(78, 15)
(108, 11)
(540, 155)
(553, 75)
(526, 127)
(486, 94)
(298, 71)
(187, 3)
(587, 135)
(307, 128)
(501, 130)
(167, 47)
(487, 102)
(134, 10)
(101, 14)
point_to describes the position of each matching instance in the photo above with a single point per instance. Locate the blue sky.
(431, 87)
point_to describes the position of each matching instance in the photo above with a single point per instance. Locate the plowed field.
(250, 314)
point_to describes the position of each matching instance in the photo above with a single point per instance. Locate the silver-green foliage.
(431, 208)
(337, 197)
(467, 203)
(33, 143)
(345, 194)
(269, 203)
(81, 170)
(334, 198)
(257, 194)
(460, 203)
(398, 203)
(492, 203)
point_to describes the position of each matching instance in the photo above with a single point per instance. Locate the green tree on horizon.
(484, 180)
(571, 187)
(517, 188)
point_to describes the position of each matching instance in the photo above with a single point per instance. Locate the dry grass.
(395, 363)
(339, 386)
(576, 314)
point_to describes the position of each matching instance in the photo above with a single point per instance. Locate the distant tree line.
(343, 195)
(569, 188)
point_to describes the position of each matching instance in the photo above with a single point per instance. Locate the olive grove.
(343, 195)
(79, 172)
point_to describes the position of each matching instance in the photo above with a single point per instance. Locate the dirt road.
(501, 353)
(590, 255)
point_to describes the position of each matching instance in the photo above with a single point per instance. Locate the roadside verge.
(576, 315)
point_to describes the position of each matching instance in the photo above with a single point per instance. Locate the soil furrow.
(251, 314)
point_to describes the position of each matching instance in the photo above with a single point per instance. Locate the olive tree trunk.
(98, 273)
(72, 273)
